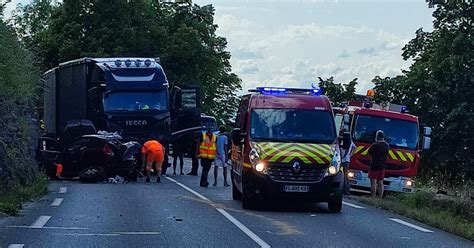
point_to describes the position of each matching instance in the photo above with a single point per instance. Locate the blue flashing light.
(318, 91)
(404, 109)
(128, 63)
(138, 62)
(271, 90)
(147, 63)
(118, 62)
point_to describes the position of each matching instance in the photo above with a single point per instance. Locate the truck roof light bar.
(277, 90)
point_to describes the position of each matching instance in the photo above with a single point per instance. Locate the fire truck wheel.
(335, 204)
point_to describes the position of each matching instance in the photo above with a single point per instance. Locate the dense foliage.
(181, 34)
(19, 78)
(338, 92)
(439, 88)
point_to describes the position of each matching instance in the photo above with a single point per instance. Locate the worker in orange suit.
(153, 154)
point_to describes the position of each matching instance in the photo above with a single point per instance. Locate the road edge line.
(228, 216)
(419, 228)
(352, 205)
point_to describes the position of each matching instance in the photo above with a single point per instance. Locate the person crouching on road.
(378, 151)
(347, 148)
(207, 153)
(153, 155)
(221, 155)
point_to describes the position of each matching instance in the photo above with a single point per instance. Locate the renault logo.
(296, 167)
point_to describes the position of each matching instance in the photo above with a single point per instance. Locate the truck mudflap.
(359, 181)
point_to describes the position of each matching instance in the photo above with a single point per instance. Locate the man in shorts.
(378, 151)
(221, 155)
(153, 154)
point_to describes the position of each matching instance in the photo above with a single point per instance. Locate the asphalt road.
(178, 213)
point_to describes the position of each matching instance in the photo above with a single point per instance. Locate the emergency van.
(284, 147)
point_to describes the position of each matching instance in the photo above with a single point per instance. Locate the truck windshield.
(136, 101)
(398, 132)
(292, 125)
(207, 122)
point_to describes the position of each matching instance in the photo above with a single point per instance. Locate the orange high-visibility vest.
(207, 148)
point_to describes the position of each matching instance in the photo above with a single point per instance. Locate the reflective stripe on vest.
(207, 148)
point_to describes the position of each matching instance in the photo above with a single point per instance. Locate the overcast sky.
(293, 42)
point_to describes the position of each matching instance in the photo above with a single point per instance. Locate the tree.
(18, 93)
(438, 88)
(337, 92)
(182, 34)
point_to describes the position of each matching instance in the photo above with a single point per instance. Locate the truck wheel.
(236, 195)
(335, 204)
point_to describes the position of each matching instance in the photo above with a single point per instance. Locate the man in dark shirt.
(378, 151)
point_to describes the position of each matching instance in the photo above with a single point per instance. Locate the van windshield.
(398, 132)
(292, 125)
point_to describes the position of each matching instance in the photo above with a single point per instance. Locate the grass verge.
(12, 202)
(449, 214)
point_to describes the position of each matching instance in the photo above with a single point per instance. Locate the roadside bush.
(19, 91)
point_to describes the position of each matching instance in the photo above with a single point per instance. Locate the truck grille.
(311, 173)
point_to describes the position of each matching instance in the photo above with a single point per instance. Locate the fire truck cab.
(402, 131)
(283, 148)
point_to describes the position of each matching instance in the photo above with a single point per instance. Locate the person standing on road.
(178, 153)
(347, 148)
(378, 151)
(194, 159)
(221, 155)
(207, 153)
(153, 154)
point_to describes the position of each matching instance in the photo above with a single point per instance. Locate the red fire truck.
(402, 130)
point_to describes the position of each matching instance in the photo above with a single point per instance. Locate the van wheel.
(236, 195)
(248, 197)
(335, 203)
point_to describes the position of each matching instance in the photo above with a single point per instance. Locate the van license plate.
(296, 188)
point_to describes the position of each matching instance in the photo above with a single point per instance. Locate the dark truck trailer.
(130, 96)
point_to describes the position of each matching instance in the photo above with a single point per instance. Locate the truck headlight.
(350, 174)
(335, 166)
(409, 183)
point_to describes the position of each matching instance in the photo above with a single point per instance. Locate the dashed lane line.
(16, 246)
(419, 228)
(62, 190)
(352, 205)
(57, 202)
(40, 222)
(228, 216)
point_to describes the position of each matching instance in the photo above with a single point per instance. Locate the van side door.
(238, 150)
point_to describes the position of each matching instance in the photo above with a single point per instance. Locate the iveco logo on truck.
(136, 123)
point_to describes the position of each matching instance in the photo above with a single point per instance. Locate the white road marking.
(90, 234)
(188, 189)
(138, 233)
(40, 222)
(62, 190)
(16, 246)
(352, 205)
(419, 228)
(228, 216)
(57, 202)
(50, 227)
